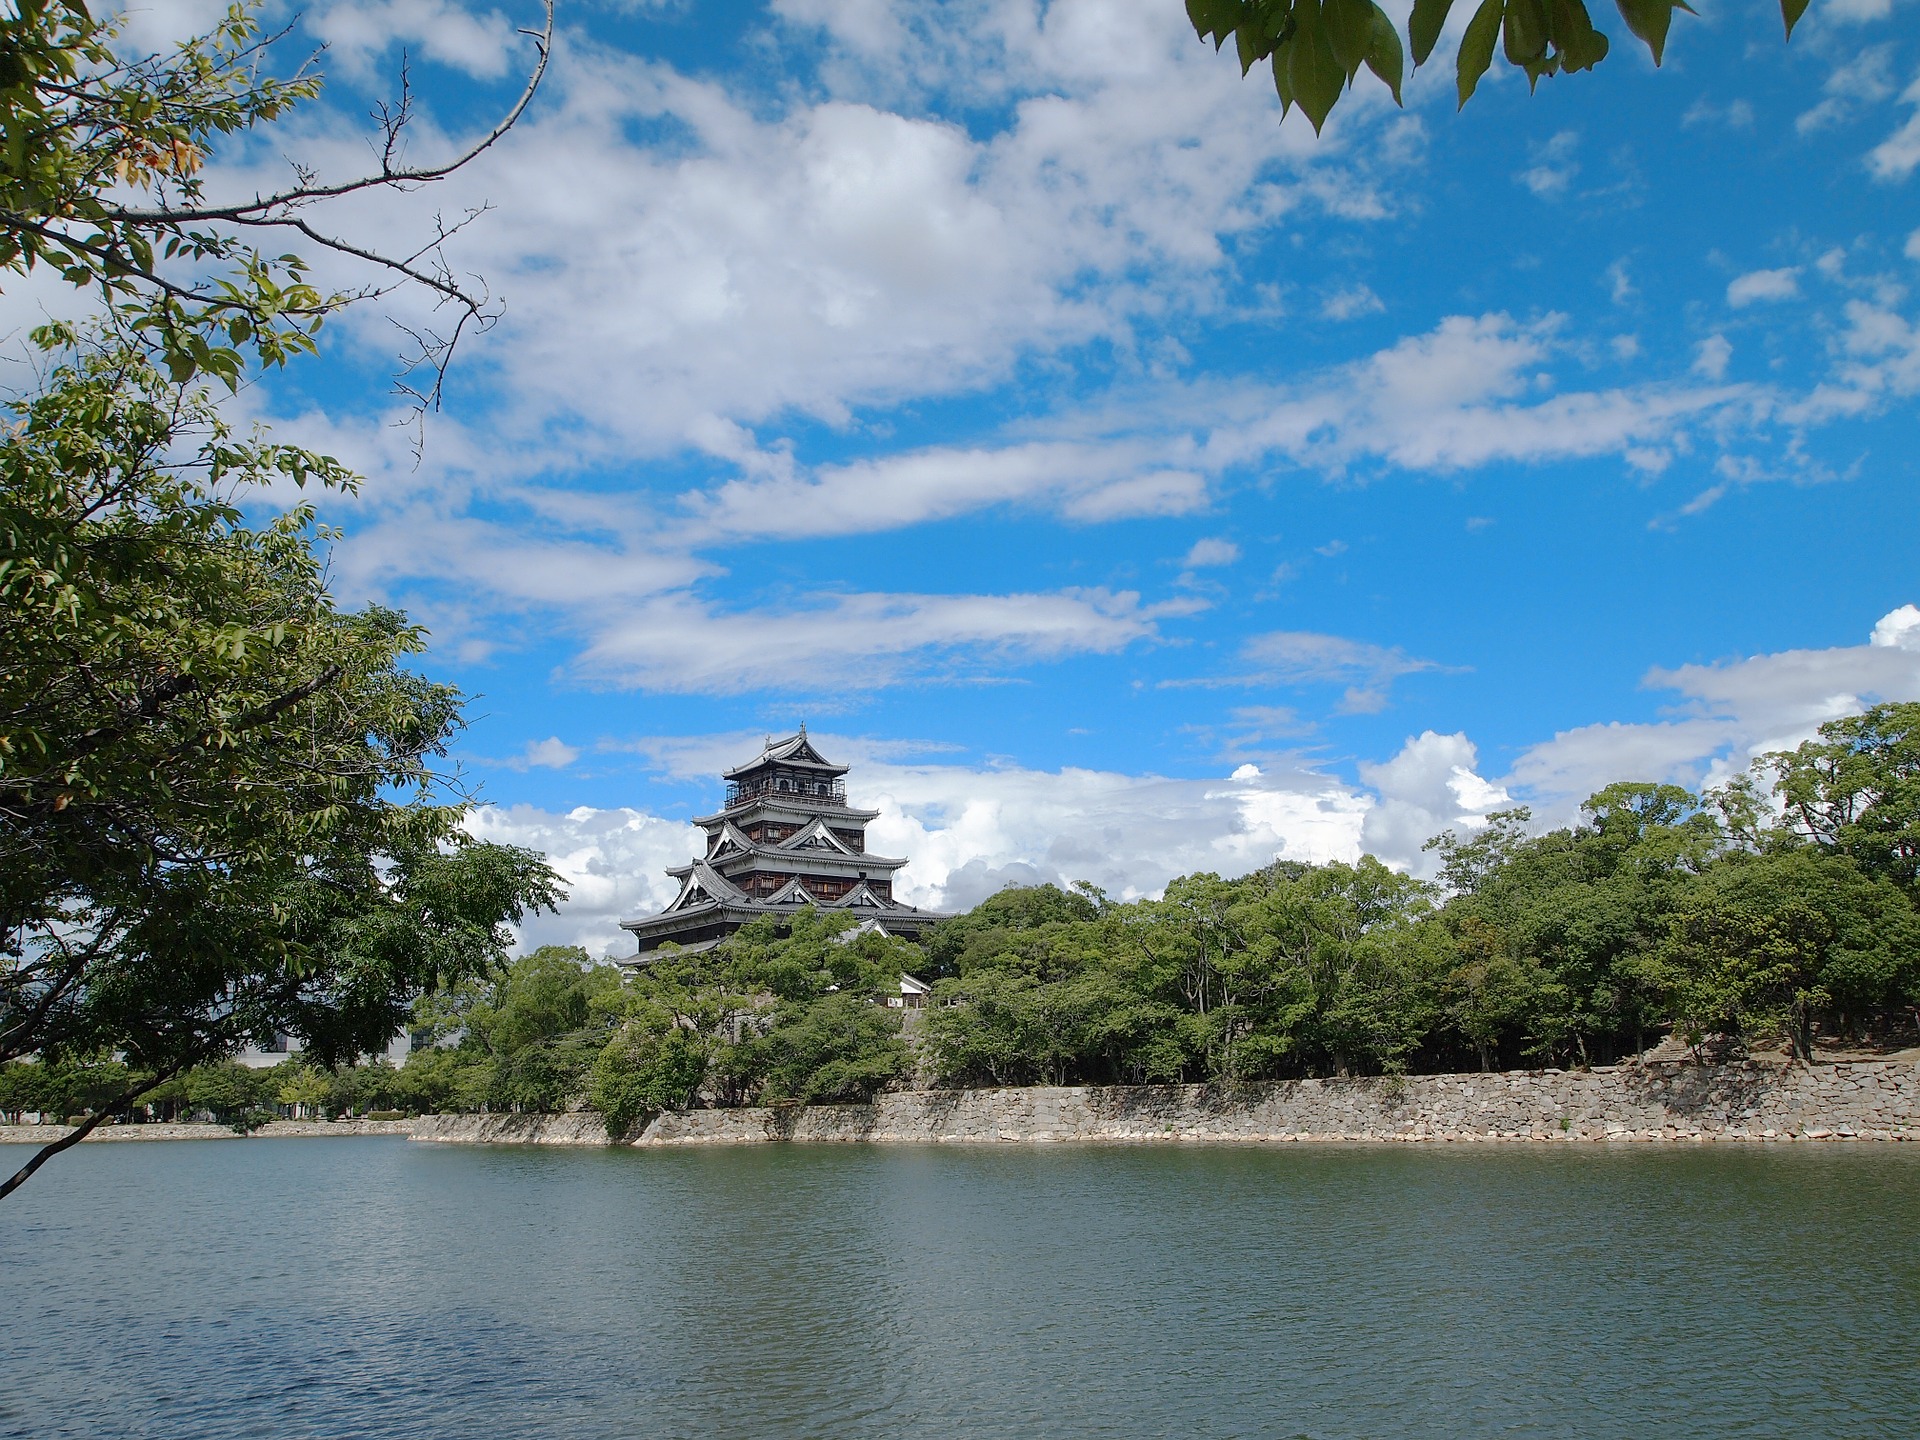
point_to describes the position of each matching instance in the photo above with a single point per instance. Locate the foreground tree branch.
(189, 275)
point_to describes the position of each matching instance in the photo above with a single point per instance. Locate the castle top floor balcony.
(801, 790)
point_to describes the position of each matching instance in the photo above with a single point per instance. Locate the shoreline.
(198, 1130)
(1679, 1103)
(1653, 1102)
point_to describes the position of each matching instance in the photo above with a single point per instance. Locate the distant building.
(264, 1055)
(786, 839)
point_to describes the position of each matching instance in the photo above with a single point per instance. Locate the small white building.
(285, 1047)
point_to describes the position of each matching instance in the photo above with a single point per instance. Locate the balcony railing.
(812, 794)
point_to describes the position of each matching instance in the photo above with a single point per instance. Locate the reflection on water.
(370, 1287)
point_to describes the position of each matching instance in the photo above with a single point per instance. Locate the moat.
(380, 1288)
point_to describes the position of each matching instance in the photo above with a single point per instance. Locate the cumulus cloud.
(1727, 713)
(1430, 786)
(1898, 629)
(758, 252)
(1896, 157)
(611, 860)
(1756, 285)
(553, 753)
(1211, 551)
(966, 830)
(970, 829)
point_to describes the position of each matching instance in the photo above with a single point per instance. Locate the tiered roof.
(785, 839)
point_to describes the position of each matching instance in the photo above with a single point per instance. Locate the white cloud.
(748, 261)
(1880, 352)
(1781, 284)
(1898, 629)
(1211, 551)
(1710, 362)
(1735, 114)
(359, 32)
(835, 642)
(1855, 12)
(612, 861)
(1620, 284)
(1865, 79)
(1432, 785)
(1896, 157)
(968, 831)
(553, 753)
(1298, 657)
(1455, 397)
(1350, 302)
(1554, 166)
(1728, 713)
(1912, 247)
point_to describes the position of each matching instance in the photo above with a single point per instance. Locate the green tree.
(103, 180)
(1856, 791)
(1316, 48)
(305, 1090)
(219, 813)
(645, 1070)
(1762, 944)
(837, 1047)
(231, 1093)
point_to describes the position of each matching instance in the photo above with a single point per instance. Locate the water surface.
(372, 1287)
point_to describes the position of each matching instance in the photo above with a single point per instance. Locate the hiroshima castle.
(785, 838)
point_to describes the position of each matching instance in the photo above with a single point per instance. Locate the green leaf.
(1649, 20)
(1214, 19)
(1252, 49)
(1282, 79)
(1384, 56)
(1791, 11)
(1524, 32)
(1429, 18)
(1476, 47)
(1349, 29)
(1581, 46)
(1315, 72)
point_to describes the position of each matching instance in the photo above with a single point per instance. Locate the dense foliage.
(220, 812)
(1724, 920)
(1316, 47)
(1660, 910)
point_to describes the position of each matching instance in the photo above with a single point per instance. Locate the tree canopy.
(1316, 48)
(223, 814)
(104, 179)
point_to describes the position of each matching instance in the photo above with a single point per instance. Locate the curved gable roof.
(795, 750)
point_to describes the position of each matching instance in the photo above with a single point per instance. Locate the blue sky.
(1126, 482)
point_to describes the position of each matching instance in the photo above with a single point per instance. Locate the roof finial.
(803, 729)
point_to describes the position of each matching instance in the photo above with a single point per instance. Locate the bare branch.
(259, 210)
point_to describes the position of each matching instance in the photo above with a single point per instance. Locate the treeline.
(227, 1093)
(1781, 907)
(773, 1015)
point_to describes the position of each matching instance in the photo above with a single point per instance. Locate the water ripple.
(374, 1288)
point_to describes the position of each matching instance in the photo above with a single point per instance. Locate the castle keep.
(786, 838)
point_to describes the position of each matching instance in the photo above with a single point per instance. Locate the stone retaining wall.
(1869, 1100)
(193, 1130)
